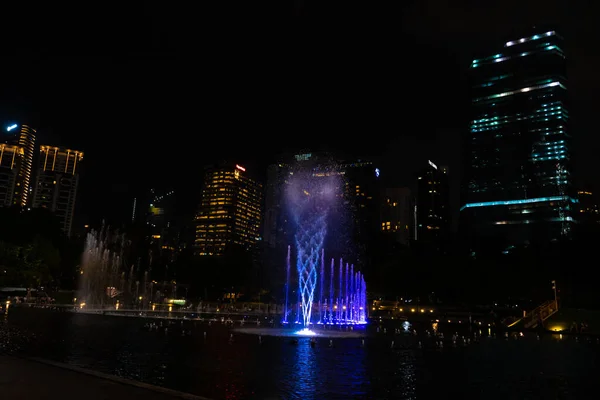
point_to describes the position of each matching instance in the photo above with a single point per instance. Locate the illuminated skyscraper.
(230, 211)
(56, 183)
(518, 173)
(24, 137)
(11, 161)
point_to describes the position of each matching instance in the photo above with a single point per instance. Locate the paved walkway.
(28, 379)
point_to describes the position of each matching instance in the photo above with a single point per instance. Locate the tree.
(24, 266)
(33, 249)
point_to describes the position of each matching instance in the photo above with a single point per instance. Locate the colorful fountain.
(341, 295)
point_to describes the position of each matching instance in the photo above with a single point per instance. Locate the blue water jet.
(310, 199)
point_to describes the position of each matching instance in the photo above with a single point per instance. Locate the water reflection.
(275, 368)
(322, 372)
(305, 366)
(408, 372)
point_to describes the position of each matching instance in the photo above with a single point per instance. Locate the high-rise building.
(11, 161)
(588, 208)
(230, 211)
(274, 227)
(432, 206)
(364, 195)
(518, 175)
(396, 215)
(24, 137)
(164, 230)
(56, 183)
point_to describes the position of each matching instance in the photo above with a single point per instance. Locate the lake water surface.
(199, 358)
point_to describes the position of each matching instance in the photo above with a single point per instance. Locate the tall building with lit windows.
(518, 186)
(396, 214)
(11, 161)
(432, 206)
(25, 139)
(56, 183)
(230, 212)
(589, 213)
(22, 136)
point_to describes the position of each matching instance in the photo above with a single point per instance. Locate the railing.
(98, 309)
(540, 313)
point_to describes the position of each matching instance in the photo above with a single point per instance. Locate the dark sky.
(153, 93)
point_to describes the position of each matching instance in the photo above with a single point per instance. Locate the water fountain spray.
(310, 200)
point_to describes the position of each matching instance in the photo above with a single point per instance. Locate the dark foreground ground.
(29, 379)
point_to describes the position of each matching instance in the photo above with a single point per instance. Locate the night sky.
(153, 94)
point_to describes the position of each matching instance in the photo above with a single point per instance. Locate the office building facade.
(23, 137)
(432, 205)
(56, 183)
(164, 229)
(11, 162)
(274, 227)
(589, 213)
(26, 139)
(518, 185)
(396, 214)
(230, 212)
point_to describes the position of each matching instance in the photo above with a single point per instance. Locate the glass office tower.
(518, 173)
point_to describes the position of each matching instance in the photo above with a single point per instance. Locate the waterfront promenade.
(25, 379)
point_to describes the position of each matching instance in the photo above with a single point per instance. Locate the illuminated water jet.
(346, 306)
(305, 332)
(310, 199)
(321, 331)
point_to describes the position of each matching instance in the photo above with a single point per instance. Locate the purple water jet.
(310, 200)
(350, 305)
(287, 284)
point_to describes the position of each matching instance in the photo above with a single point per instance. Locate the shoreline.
(34, 377)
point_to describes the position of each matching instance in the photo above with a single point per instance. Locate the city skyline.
(299, 199)
(142, 83)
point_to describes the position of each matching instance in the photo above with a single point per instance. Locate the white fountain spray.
(100, 269)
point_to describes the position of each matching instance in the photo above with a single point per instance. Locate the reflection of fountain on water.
(321, 332)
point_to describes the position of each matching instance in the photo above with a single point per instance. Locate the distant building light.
(303, 157)
(432, 164)
(377, 172)
(240, 168)
(10, 128)
(515, 202)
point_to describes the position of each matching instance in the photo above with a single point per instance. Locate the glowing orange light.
(240, 168)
